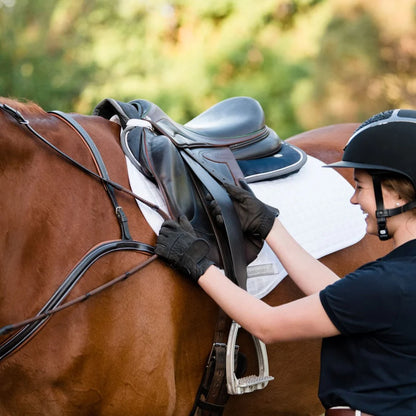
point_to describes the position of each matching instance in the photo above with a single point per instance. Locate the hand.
(256, 218)
(179, 246)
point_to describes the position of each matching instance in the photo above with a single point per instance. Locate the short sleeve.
(366, 300)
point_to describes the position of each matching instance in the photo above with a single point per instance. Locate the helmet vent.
(378, 117)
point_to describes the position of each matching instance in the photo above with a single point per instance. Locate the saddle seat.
(237, 123)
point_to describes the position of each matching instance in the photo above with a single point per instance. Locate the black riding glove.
(179, 246)
(256, 217)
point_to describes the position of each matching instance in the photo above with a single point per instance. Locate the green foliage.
(308, 62)
(39, 54)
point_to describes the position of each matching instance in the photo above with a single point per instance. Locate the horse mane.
(25, 107)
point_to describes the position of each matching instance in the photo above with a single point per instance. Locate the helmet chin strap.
(382, 214)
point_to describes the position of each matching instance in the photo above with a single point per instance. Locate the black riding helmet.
(382, 144)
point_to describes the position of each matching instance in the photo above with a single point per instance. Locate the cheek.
(367, 202)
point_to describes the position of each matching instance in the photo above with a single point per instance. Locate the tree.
(308, 62)
(40, 54)
(365, 64)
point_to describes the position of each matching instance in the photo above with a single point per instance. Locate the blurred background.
(308, 62)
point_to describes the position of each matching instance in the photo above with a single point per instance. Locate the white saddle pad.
(314, 207)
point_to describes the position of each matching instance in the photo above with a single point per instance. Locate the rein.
(10, 328)
(32, 325)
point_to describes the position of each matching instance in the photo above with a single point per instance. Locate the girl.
(367, 319)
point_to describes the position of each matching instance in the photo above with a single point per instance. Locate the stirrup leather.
(249, 383)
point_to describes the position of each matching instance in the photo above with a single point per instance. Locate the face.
(364, 197)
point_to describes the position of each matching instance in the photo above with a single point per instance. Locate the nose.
(353, 198)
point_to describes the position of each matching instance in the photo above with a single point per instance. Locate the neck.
(405, 231)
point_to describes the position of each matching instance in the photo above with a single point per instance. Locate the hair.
(400, 184)
(25, 107)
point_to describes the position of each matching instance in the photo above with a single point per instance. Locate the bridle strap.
(10, 328)
(51, 306)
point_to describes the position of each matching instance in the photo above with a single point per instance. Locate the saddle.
(189, 163)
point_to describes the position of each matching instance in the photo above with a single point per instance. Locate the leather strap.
(231, 244)
(22, 336)
(383, 233)
(121, 217)
(212, 394)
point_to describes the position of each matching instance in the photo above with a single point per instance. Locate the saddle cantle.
(226, 143)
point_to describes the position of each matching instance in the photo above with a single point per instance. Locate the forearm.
(309, 274)
(304, 318)
(238, 304)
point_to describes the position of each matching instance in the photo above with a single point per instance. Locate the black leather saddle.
(227, 143)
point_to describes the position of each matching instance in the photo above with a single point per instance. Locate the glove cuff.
(268, 221)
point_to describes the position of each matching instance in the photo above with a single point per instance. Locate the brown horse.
(140, 347)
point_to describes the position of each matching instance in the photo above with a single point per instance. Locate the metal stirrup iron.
(249, 383)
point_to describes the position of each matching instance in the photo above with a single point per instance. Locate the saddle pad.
(314, 207)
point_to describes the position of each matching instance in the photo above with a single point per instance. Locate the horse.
(140, 346)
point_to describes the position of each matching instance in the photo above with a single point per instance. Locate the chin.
(371, 230)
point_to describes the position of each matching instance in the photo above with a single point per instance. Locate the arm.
(259, 219)
(304, 318)
(309, 274)
(301, 319)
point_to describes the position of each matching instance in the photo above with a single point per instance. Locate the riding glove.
(180, 247)
(256, 217)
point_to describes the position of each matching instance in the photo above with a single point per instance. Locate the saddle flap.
(219, 162)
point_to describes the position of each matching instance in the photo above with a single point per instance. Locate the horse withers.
(139, 347)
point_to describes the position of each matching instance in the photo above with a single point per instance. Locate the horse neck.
(53, 213)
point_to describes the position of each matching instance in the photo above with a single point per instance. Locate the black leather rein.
(30, 326)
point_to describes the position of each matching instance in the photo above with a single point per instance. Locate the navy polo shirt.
(371, 366)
